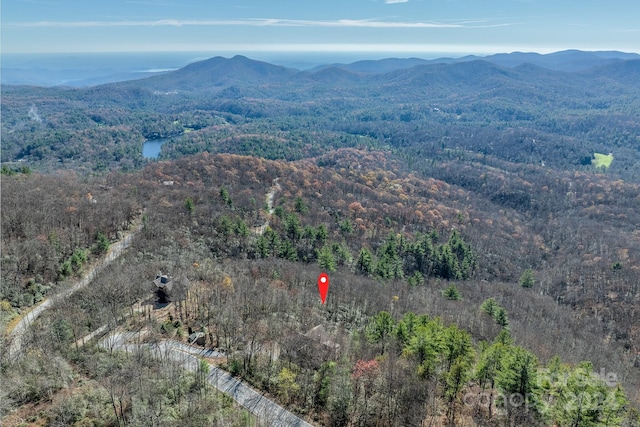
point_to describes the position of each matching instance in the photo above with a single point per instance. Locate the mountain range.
(498, 194)
(576, 113)
(568, 60)
(69, 71)
(408, 77)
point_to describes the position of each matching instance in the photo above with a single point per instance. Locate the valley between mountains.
(478, 219)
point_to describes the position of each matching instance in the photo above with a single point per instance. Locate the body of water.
(151, 149)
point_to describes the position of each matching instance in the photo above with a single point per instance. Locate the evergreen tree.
(424, 254)
(78, 258)
(300, 206)
(342, 253)
(292, 227)
(504, 338)
(287, 251)
(322, 382)
(452, 293)
(550, 380)
(411, 320)
(584, 399)
(242, 229)
(517, 378)
(189, 205)
(278, 211)
(389, 265)
(405, 329)
(501, 318)
(262, 247)
(326, 260)
(489, 306)
(364, 264)
(321, 234)
(426, 346)
(380, 327)
(527, 279)
(614, 407)
(102, 243)
(454, 259)
(456, 345)
(6, 171)
(447, 265)
(489, 364)
(416, 279)
(309, 233)
(273, 241)
(224, 195)
(225, 225)
(402, 334)
(455, 378)
(346, 226)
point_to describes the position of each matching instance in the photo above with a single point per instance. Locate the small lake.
(151, 148)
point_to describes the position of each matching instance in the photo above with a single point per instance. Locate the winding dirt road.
(270, 196)
(115, 250)
(188, 357)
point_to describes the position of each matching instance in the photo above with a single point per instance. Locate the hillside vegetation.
(484, 271)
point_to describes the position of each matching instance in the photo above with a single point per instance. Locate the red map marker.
(323, 286)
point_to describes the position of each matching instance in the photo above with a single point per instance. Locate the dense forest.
(485, 268)
(525, 114)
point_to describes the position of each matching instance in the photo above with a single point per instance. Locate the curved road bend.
(115, 250)
(262, 407)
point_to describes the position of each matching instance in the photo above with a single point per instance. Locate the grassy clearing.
(602, 160)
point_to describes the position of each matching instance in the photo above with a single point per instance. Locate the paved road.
(115, 250)
(262, 407)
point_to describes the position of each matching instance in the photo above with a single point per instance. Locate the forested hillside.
(525, 114)
(485, 267)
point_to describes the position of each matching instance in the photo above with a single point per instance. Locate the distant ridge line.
(41, 74)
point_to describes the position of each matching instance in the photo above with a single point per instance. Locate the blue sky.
(401, 26)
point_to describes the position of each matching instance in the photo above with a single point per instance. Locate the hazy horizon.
(90, 68)
(462, 26)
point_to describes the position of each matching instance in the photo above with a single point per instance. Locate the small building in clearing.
(163, 286)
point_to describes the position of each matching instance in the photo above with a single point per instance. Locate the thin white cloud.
(359, 23)
(375, 49)
(395, 1)
(397, 48)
